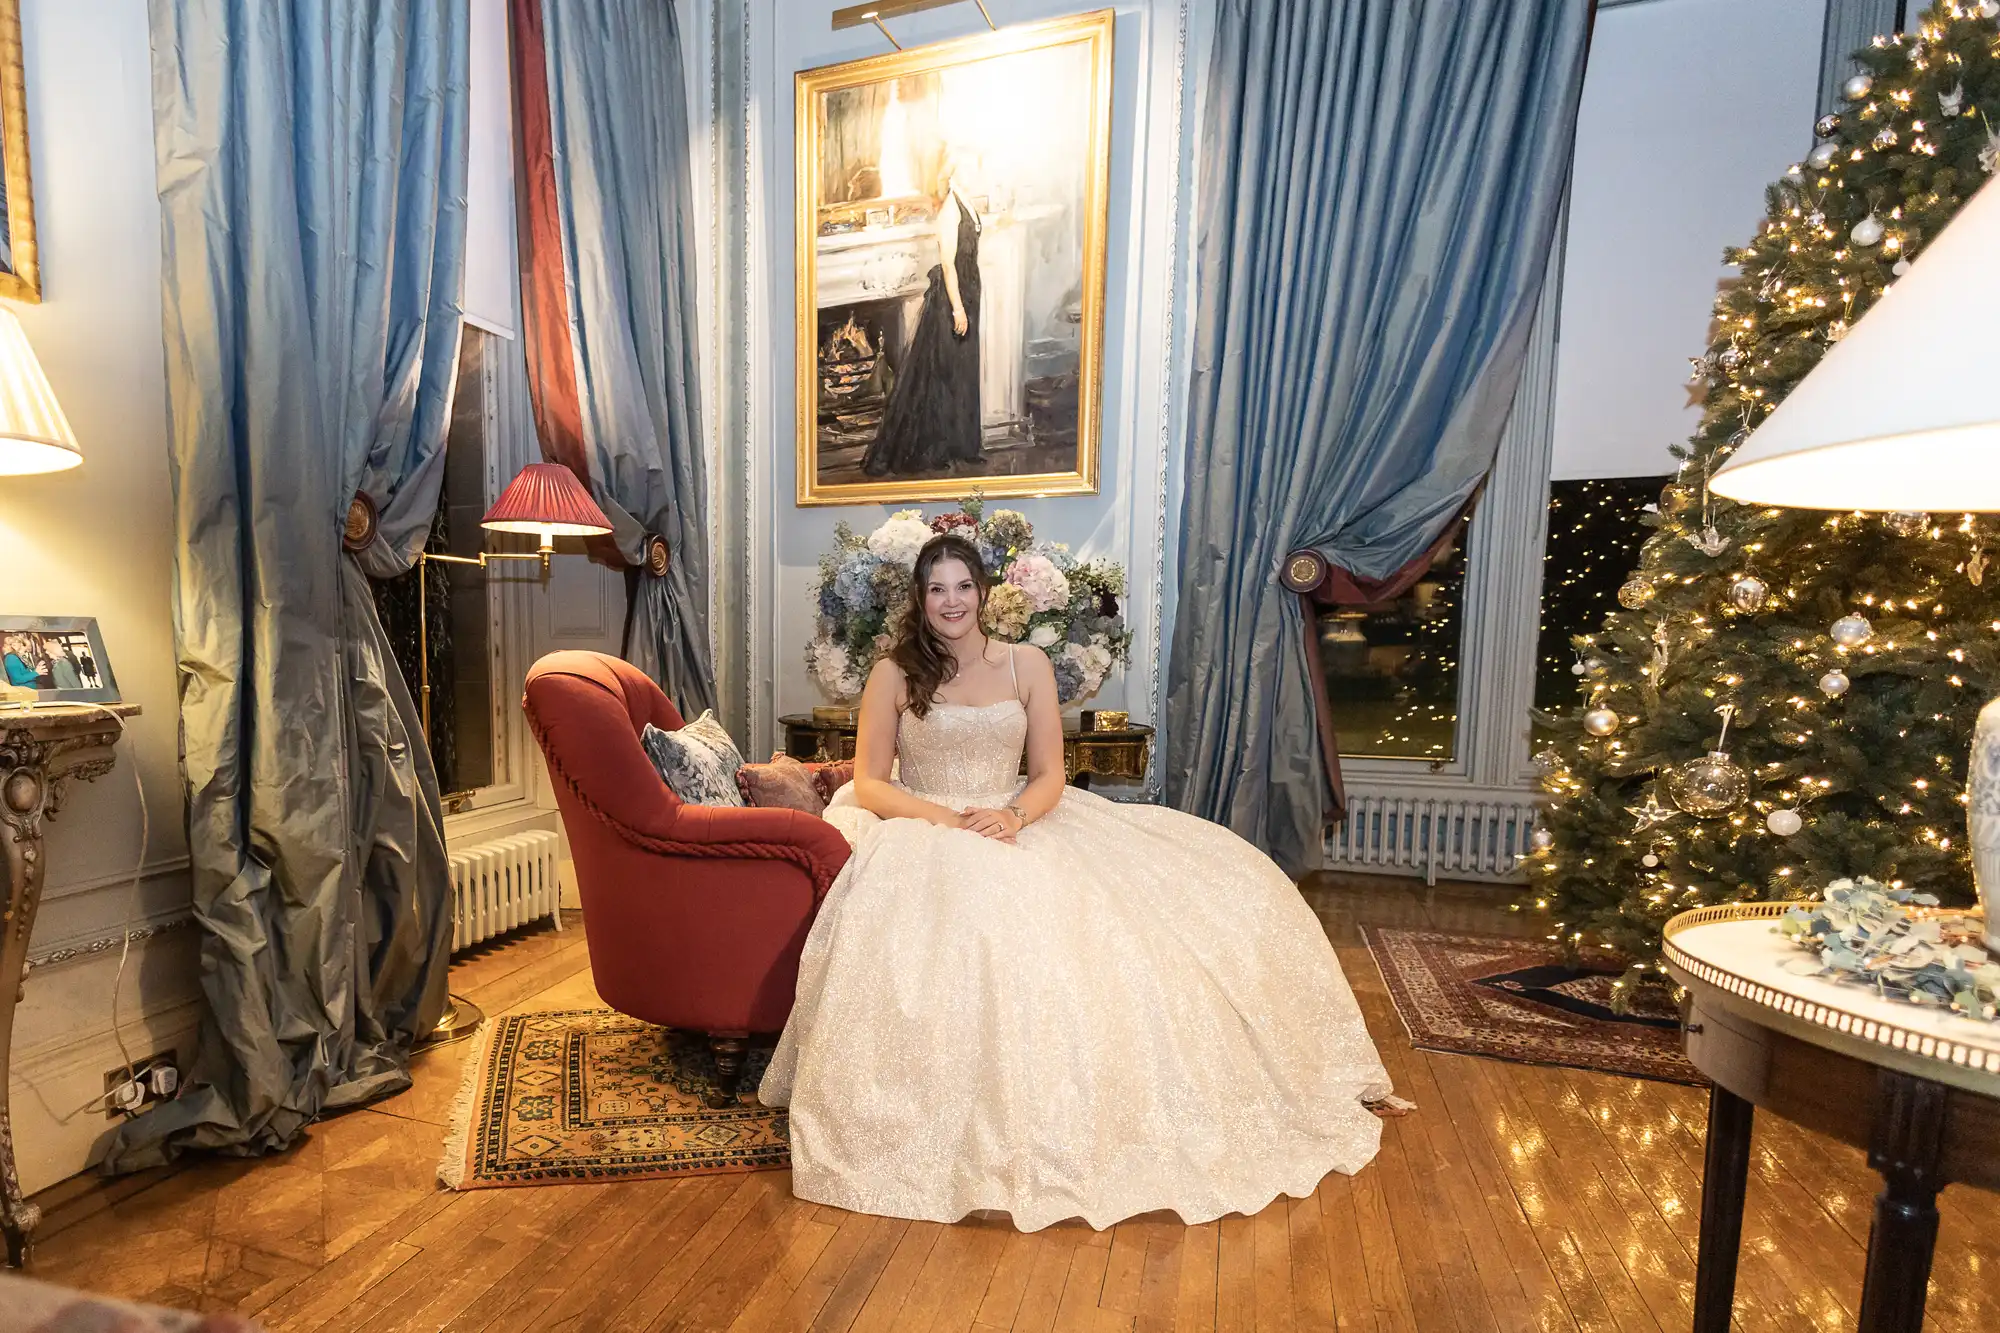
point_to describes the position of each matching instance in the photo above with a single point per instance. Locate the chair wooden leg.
(727, 1048)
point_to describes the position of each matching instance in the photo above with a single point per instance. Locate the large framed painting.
(20, 257)
(951, 232)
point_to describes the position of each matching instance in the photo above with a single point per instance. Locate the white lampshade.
(34, 434)
(1904, 412)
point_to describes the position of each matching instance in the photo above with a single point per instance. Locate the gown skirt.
(1128, 1009)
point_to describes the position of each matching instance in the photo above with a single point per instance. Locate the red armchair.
(694, 915)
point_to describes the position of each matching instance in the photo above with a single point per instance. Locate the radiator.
(1432, 836)
(508, 882)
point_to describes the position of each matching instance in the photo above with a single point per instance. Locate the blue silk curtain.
(609, 302)
(1379, 188)
(311, 161)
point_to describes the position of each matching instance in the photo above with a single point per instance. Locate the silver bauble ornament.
(1906, 523)
(1541, 839)
(1834, 683)
(1884, 138)
(1711, 785)
(1902, 267)
(1547, 761)
(1987, 9)
(1784, 823)
(1868, 231)
(1827, 125)
(1747, 593)
(1815, 220)
(1649, 860)
(1857, 87)
(1634, 593)
(1851, 631)
(1821, 157)
(1600, 721)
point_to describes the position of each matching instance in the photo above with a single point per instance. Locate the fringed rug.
(590, 1094)
(1516, 999)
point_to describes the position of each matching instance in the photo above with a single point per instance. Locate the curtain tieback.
(362, 519)
(658, 560)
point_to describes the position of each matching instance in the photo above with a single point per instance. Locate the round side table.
(1918, 1089)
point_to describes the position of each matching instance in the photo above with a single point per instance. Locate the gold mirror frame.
(24, 283)
(811, 87)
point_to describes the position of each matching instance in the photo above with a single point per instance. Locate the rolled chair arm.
(806, 840)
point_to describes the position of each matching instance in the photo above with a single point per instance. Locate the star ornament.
(1651, 814)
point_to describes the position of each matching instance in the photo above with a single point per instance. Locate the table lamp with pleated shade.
(34, 434)
(1903, 415)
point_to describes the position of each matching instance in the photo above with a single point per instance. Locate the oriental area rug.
(590, 1094)
(1521, 1000)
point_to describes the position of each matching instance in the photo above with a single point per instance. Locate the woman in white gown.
(1029, 999)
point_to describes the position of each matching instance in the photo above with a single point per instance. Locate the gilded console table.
(1918, 1089)
(1120, 753)
(41, 750)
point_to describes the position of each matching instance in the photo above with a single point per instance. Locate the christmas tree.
(1787, 696)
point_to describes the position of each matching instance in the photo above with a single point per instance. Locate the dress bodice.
(961, 751)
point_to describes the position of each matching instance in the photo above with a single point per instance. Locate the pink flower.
(1037, 576)
(944, 523)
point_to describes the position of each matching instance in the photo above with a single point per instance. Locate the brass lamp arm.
(541, 553)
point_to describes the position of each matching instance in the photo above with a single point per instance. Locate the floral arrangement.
(1866, 934)
(1042, 595)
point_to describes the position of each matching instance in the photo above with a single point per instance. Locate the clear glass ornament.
(1747, 593)
(1906, 523)
(1712, 785)
(1547, 761)
(1634, 593)
(1851, 631)
(1541, 839)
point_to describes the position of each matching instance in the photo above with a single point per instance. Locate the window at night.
(1595, 531)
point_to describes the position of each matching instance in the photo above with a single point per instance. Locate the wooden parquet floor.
(1515, 1198)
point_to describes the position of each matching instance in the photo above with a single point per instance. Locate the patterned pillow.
(782, 784)
(830, 778)
(698, 762)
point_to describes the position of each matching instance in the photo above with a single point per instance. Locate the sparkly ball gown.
(1128, 1009)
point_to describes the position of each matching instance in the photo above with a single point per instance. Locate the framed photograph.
(60, 658)
(951, 231)
(20, 258)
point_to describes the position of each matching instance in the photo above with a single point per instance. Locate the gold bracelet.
(1021, 815)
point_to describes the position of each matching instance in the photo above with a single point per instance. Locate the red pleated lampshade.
(546, 498)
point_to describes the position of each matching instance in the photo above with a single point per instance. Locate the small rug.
(590, 1094)
(1515, 999)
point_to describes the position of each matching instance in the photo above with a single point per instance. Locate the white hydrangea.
(1096, 659)
(829, 664)
(1044, 636)
(900, 538)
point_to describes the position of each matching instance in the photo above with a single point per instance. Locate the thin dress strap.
(1011, 672)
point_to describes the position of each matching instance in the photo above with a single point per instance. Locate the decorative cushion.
(830, 778)
(698, 762)
(783, 784)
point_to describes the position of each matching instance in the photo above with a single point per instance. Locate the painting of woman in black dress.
(932, 418)
(952, 211)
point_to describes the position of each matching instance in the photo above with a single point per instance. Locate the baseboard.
(55, 1136)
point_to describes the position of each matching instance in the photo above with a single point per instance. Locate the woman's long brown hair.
(922, 653)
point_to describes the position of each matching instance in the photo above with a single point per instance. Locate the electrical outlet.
(153, 1079)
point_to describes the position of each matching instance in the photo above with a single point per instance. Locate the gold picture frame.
(993, 153)
(20, 257)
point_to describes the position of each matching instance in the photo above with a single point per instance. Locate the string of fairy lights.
(1847, 651)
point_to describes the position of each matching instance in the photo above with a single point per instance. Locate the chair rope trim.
(816, 868)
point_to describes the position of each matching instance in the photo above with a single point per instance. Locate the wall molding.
(160, 868)
(69, 951)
